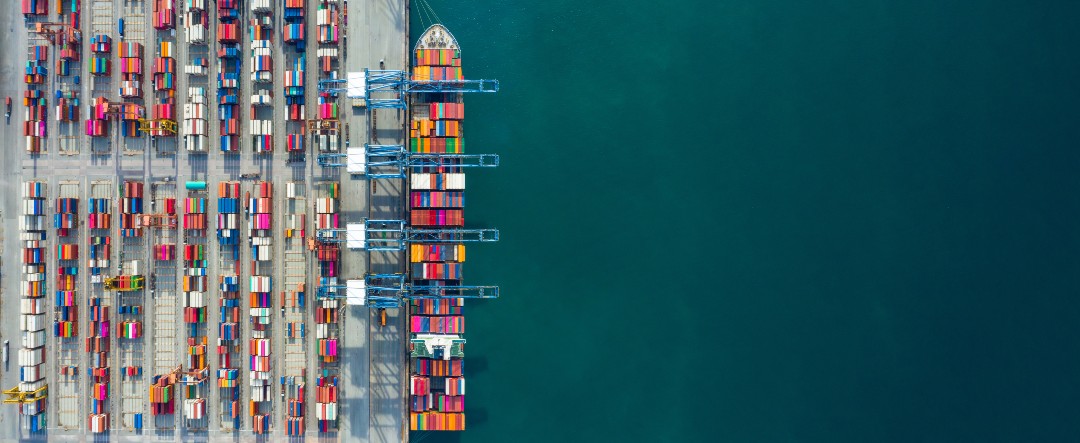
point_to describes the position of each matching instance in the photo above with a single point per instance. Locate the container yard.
(178, 276)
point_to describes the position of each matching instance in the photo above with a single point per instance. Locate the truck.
(120, 27)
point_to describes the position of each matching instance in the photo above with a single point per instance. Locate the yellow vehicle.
(124, 283)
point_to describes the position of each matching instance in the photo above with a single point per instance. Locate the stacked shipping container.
(99, 221)
(437, 199)
(228, 234)
(259, 214)
(131, 69)
(195, 295)
(66, 222)
(32, 303)
(228, 82)
(194, 128)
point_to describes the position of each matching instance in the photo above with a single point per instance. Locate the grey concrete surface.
(372, 366)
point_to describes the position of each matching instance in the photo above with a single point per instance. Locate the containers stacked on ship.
(259, 216)
(164, 81)
(196, 286)
(436, 200)
(99, 222)
(32, 317)
(100, 61)
(228, 344)
(164, 14)
(228, 81)
(131, 69)
(194, 128)
(327, 307)
(196, 22)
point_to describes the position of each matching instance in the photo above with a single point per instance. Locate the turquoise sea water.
(774, 220)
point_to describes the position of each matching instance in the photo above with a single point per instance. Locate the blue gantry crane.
(386, 89)
(391, 161)
(392, 290)
(394, 235)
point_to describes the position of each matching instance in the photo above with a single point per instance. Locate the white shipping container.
(32, 322)
(30, 386)
(194, 300)
(260, 283)
(194, 408)
(33, 339)
(326, 411)
(260, 5)
(31, 357)
(30, 373)
(32, 306)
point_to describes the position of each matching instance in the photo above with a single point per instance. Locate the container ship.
(436, 201)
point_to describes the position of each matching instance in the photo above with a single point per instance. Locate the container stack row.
(32, 317)
(228, 81)
(259, 216)
(165, 84)
(97, 123)
(131, 70)
(98, 336)
(35, 7)
(35, 125)
(437, 200)
(294, 24)
(100, 60)
(327, 30)
(262, 62)
(67, 106)
(327, 308)
(194, 128)
(196, 22)
(195, 261)
(228, 344)
(327, 22)
(294, 91)
(131, 209)
(66, 222)
(164, 14)
(326, 402)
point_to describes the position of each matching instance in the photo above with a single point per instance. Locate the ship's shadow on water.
(475, 366)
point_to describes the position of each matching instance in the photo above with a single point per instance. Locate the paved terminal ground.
(373, 365)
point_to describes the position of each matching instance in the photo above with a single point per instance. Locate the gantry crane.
(14, 395)
(390, 161)
(391, 290)
(393, 235)
(164, 124)
(159, 220)
(392, 85)
(58, 33)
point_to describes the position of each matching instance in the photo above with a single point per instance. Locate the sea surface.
(773, 220)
